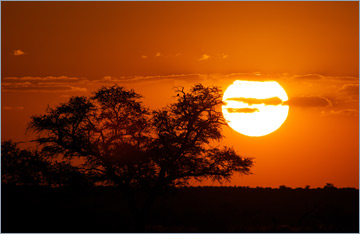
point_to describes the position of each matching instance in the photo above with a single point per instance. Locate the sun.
(255, 108)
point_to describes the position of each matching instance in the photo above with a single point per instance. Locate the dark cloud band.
(251, 101)
(308, 102)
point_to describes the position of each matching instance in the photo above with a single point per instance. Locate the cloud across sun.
(255, 108)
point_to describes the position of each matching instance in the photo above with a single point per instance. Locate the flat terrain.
(193, 209)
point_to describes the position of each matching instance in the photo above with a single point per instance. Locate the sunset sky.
(53, 50)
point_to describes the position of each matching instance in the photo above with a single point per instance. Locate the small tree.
(30, 168)
(329, 186)
(21, 167)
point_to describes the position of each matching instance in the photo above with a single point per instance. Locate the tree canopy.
(129, 146)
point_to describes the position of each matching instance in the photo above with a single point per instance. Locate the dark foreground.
(206, 209)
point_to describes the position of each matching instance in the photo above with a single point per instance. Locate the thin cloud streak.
(191, 78)
(18, 52)
(242, 110)
(344, 112)
(204, 57)
(312, 101)
(252, 101)
(43, 84)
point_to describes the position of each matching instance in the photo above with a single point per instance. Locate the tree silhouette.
(184, 133)
(30, 168)
(21, 167)
(124, 144)
(108, 131)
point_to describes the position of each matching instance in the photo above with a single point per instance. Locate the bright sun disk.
(255, 108)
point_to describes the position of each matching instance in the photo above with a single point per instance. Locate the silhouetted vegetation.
(132, 148)
(121, 143)
(105, 163)
(192, 209)
(31, 168)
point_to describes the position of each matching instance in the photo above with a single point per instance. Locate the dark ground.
(200, 209)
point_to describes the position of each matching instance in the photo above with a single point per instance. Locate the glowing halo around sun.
(255, 108)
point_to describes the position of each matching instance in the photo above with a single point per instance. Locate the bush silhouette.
(31, 168)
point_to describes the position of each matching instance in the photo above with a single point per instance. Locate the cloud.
(251, 101)
(308, 102)
(18, 52)
(345, 112)
(58, 79)
(308, 77)
(5, 85)
(242, 110)
(44, 84)
(204, 57)
(144, 56)
(312, 101)
(209, 79)
(191, 78)
(221, 79)
(342, 78)
(320, 77)
(350, 89)
(44, 89)
(13, 107)
(254, 76)
(157, 54)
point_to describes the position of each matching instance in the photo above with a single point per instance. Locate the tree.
(125, 144)
(184, 133)
(108, 131)
(329, 186)
(21, 167)
(30, 168)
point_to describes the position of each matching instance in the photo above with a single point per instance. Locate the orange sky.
(53, 50)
